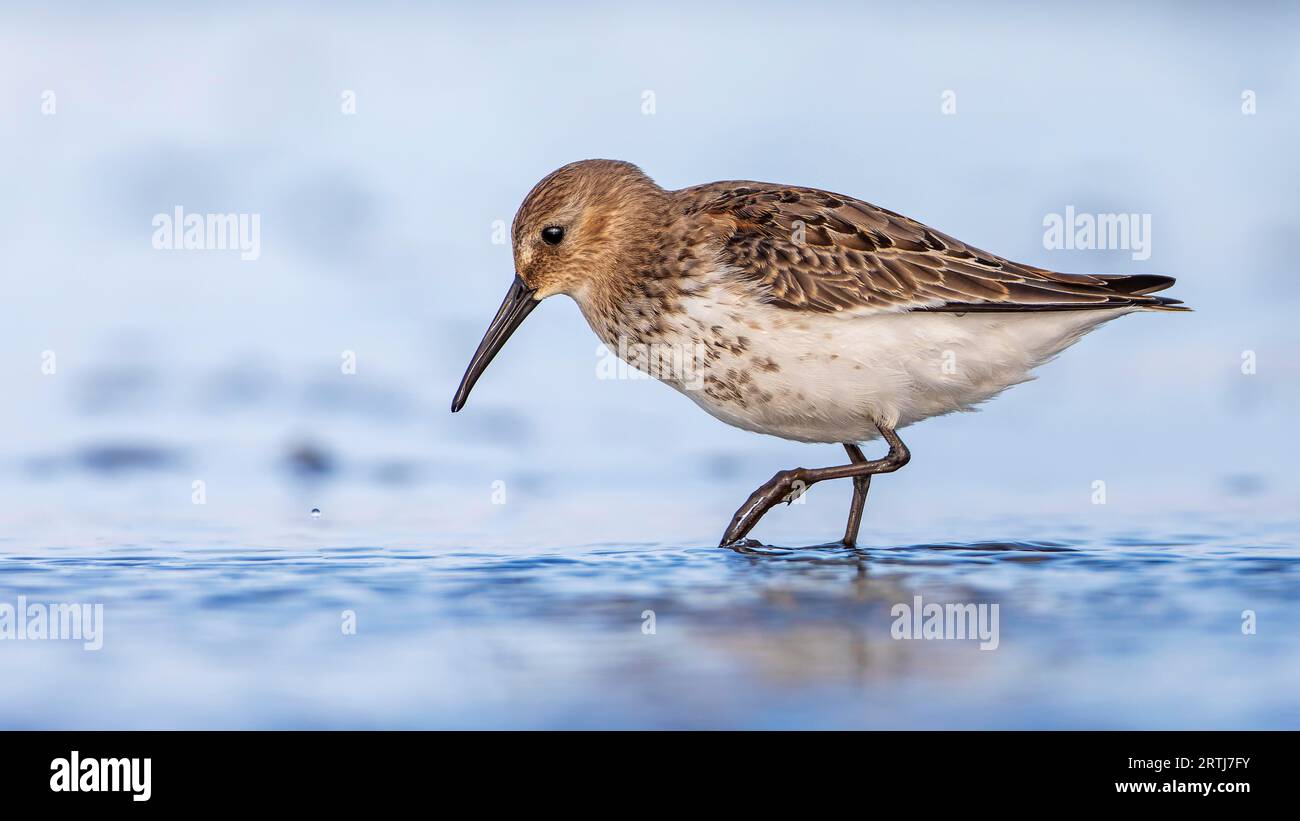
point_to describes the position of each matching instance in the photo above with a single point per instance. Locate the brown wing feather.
(854, 255)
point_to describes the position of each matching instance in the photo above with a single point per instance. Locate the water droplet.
(315, 513)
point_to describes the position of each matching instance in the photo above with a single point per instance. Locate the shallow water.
(1122, 629)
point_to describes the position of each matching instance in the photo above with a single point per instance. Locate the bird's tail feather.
(1143, 284)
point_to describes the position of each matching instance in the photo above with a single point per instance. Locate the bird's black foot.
(746, 546)
(785, 486)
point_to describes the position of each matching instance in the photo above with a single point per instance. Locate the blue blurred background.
(377, 239)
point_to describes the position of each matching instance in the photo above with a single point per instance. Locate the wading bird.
(817, 317)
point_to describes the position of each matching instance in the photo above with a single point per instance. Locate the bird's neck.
(631, 309)
(633, 285)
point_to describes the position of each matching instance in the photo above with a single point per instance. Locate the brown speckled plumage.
(799, 249)
(807, 315)
(812, 250)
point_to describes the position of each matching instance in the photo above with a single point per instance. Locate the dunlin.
(807, 315)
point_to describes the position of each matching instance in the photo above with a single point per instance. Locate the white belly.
(832, 377)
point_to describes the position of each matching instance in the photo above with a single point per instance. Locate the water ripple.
(658, 635)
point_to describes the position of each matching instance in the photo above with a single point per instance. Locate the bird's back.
(805, 249)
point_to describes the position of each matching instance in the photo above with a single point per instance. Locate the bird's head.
(579, 230)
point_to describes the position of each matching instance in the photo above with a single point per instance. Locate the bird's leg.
(861, 484)
(787, 485)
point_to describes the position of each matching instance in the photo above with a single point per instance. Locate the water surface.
(1123, 629)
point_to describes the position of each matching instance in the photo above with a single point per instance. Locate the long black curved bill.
(517, 305)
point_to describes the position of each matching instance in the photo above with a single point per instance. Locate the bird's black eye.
(552, 235)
